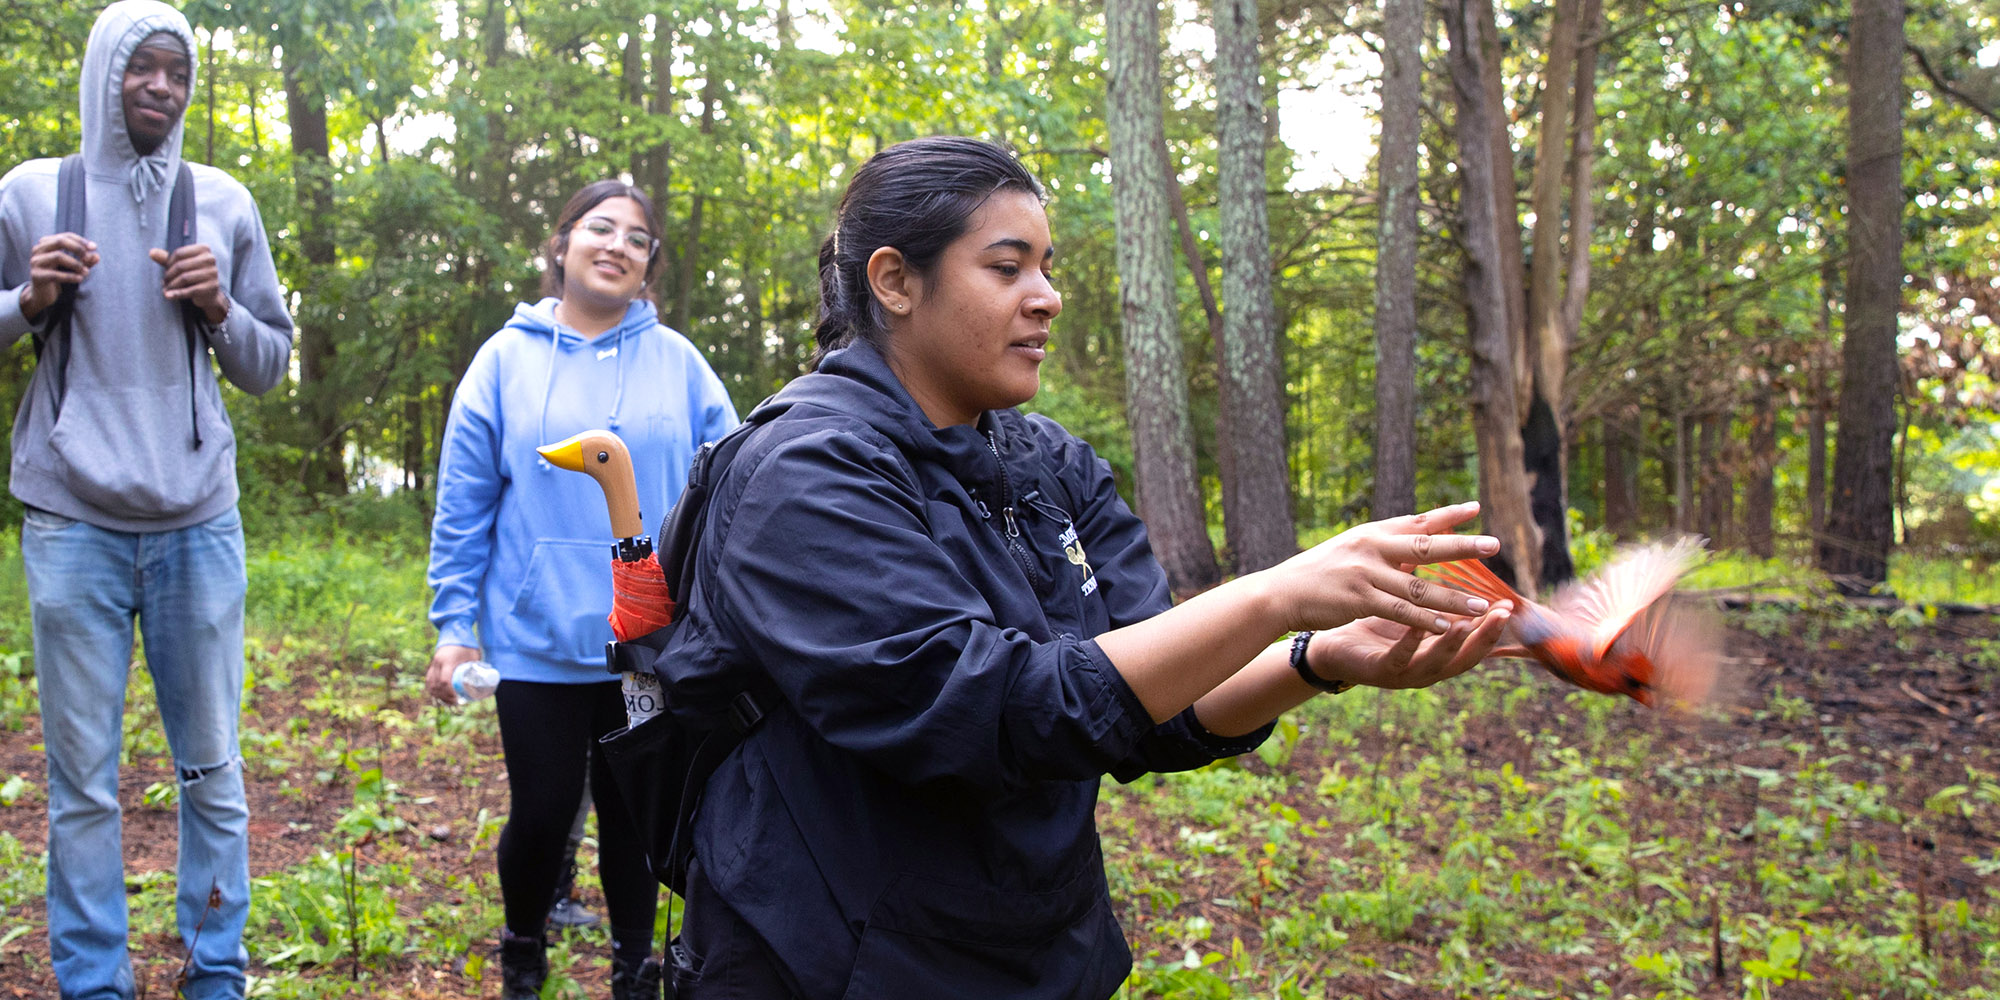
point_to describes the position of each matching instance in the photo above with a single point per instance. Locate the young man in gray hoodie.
(126, 461)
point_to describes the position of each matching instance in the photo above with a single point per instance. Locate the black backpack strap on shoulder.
(51, 333)
(678, 537)
(180, 233)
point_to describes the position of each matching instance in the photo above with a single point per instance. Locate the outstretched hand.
(1385, 654)
(1365, 572)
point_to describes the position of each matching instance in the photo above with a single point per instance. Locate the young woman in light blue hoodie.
(520, 560)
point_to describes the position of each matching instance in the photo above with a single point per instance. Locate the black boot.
(635, 980)
(524, 965)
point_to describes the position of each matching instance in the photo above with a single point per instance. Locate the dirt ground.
(1929, 690)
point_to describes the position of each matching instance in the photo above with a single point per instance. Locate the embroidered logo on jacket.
(1073, 548)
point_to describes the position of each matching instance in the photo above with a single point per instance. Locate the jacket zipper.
(1012, 531)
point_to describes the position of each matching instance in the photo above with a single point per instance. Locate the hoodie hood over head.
(107, 143)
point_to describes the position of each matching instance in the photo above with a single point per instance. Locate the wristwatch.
(1299, 644)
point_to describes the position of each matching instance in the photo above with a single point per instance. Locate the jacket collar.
(968, 453)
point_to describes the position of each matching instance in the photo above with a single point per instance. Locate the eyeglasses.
(634, 241)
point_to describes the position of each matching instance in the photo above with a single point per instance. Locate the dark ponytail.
(916, 196)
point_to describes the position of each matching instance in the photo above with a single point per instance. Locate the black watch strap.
(1299, 644)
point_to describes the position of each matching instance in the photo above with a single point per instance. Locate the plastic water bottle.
(473, 680)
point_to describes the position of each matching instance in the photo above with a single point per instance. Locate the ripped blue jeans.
(86, 586)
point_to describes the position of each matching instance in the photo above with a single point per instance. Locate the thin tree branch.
(1931, 73)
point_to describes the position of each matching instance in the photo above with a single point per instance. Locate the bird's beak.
(567, 453)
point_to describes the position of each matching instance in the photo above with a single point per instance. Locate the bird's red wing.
(1606, 603)
(1681, 644)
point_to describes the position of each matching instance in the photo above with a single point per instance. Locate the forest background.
(1659, 325)
(407, 154)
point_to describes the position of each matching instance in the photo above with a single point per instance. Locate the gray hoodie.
(121, 453)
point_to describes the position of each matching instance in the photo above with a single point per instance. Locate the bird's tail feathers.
(1472, 576)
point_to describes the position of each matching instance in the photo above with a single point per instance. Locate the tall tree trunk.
(1545, 434)
(323, 469)
(632, 87)
(1816, 458)
(659, 160)
(1547, 350)
(1759, 488)
(1544, 466)
(1169, 495)
(1683, 518)
(1506, 213)
(415, 455)
(1620, 428)
(1716, 480)
(1396, 261)
(1197, 266)
(1582, 174)
(1816, 406)
(1855, 549)
(1257, 500)
(690, 259)
(1503, 489)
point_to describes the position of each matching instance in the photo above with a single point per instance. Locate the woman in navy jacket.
(959, 627)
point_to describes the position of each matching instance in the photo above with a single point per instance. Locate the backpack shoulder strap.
(70, 203)
(681, 532)
(51, 334)
(70, 196)
(180, 233)
(180, 210)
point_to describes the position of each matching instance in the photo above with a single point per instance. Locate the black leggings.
(549, 734)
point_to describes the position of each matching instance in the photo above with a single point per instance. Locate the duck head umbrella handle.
(640, 601)
(602, 456)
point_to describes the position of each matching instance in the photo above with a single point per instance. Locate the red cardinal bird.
(1615, 632)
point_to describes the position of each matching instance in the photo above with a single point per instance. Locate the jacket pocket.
(926, 938)
(115, 451)
(565, 593)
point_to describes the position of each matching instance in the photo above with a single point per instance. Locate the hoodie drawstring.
(549, 384)
(147, 175)
(548, 389)
(618, 397)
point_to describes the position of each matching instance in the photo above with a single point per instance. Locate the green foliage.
(456, 129)
(1369, 826)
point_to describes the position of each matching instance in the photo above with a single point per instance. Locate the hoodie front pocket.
(116, 452)
(559, 610)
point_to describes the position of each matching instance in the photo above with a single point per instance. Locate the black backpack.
(661, 767)
(52, 331)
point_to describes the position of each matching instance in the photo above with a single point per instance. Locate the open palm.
(1387, 654)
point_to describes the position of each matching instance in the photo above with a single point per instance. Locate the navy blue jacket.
(915, 817)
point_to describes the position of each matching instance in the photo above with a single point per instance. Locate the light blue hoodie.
(521, 550)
